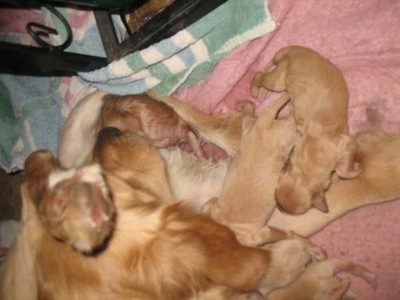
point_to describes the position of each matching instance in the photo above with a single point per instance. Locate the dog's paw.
(77, 209)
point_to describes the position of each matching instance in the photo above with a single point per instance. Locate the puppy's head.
(297, 192)
(306, 178)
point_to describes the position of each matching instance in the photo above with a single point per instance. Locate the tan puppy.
(247, 198)
(224, 130)
(319, 282)
(319, 99)
(377, 183)
(378, 156)
(155, 251)
(133, 113)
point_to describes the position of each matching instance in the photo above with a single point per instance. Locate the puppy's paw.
(257, 90)
(77, 209)
(319, 281)
(316, 252)
(246, 107)
(289, 259)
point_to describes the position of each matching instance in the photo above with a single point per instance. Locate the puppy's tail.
(223, 130)
(78, 135)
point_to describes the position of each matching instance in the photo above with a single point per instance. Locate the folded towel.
(33, 109)
(186, 57)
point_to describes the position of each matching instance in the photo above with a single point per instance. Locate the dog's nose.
(107, 131)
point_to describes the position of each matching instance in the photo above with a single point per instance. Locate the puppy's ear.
(320, 204)
(346, 166)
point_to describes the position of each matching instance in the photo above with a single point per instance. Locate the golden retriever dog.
(223, 130)
(247, 201)
(139, 114)
(155, 250)
(319, 282)
(319, 100)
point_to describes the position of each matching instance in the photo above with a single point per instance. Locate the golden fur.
(319, 281)
(378, 156)
(319, 100)
(223, 130)
(156, 250)
(376, 184)
(138, 114)
(245, 204)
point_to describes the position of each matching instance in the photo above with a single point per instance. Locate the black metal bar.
(26, 60)
(175, 17)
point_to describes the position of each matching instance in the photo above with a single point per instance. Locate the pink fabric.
(362, 37)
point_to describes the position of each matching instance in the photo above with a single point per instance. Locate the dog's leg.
(17, 273)
(224, 131)
(78, 135)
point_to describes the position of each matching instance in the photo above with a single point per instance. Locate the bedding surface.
(361, 37)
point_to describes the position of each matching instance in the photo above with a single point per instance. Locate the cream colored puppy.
(319, 99)
(378, 156)
(247, 198)
(319, 281)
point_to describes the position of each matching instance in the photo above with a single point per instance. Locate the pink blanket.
(362, 38)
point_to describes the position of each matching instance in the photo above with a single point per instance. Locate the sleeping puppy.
(378, 156)
(156, 250)
(378, 183)
(224, 130)
(319, 99)
(247, 201)
(319, 282)
(133, 113)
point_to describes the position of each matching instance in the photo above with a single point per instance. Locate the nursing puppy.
(133, 113)
(319, 281)
(223, 130)
(319, 100)
(377, 183)
(156, 250)
(247, 201)
(378, 156)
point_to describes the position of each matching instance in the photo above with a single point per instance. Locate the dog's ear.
(346, 166)
(38, 166)
(320, 204)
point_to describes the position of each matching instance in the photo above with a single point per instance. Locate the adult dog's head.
(74, 205)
